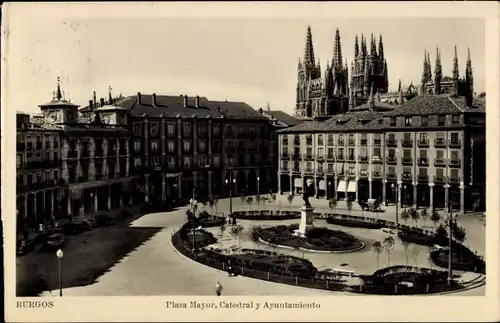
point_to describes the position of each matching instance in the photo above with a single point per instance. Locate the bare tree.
(435, 217)
(406, 244)
(405, 215)
(388, 244)
(377, 249)
(222, 229)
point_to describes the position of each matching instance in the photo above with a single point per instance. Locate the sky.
(242, 59)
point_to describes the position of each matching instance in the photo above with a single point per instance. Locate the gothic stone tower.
(369, 68)
(319, 96)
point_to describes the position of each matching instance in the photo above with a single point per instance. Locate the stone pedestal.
(306, 220)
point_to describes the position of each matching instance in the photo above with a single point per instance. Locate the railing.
(406, 176)
(439, 162)
(391, 160)
(296, 142)
(285, 156)
(423, 177)
(351, 142)
(407, 143)
(391, 143)
(422, 161)
(438, 179)
(406, 160)
(340, 158)
(423, 143)
(39, 185)
(284, 142)
(455, 143)
(351, 159)
(376, 174)
(296, 156)
(329, 143)
(453, 180)
(363, 159)
(391, 176)
(321, 142)
(455, 163)
(309, 142)
(363, 173)
(320, 156)
(377, 142)
(364, 142)
(296, 169)
(308, 170)
(439, 142)
(330, 157)
(376, 160)
(308, 156)
(43, 164)
(340, 142)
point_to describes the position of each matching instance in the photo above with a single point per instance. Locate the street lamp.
(91, 203)
(396, 195)
(59, 255)
(194, 205)
(218, 289)
(229, 183)
(258, 192)
(404, 202)
(328, 193)
(450, 219)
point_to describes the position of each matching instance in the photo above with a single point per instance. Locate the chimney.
(197, 102)
(139, 98)
(153, 103)
(185, 101)
(91, 105)
(95, 100)
(102, 102)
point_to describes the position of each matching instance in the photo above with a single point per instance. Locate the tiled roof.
(237, 110)
(378, 106)
(284, 117)
(435, 104)
(168, 106)
(58, 103)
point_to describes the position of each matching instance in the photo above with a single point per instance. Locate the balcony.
(329, 143)
(330, 157)
(392, 160)
(423, 143)
(308, 171)
(296, 169)
(456, 163)
(351, 142)
(406, 160)
(391, 176)
(340, 158)
(340, 143)
(39, 185)
(351, 159)
(423, 161)
(308, 156)
(364, 142)
(284, 142)
(43, 164)
(309, 142)
(391, 143)
(439, 162)
(376, 160)
(296, 156)
(376, 174)
(296, 142)
(453, 180)
(439, 179)
(439, 143)
(455, 144)
(320, 170)
(407, 143)
(285, 156)
(363, 173)
(363, 159)
(406, 176)
(320, 157)
(423, 177)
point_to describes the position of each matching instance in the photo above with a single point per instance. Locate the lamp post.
(218, 289)
(59, 255)
(404, 196)
(258, 193)
(229, 183)
(194, 205)
(396, 195)
(450, 219)
(329, 192)
(91, 204)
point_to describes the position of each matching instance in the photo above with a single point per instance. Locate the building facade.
(323, 95)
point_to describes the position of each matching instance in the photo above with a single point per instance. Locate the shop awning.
(322, 184)
(297, 182)
(341, 187)
(351, 188)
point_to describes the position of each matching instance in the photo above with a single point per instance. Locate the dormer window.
(455, 119)
(424, 120)
(441, 120)
(408, 121)
(392, 121)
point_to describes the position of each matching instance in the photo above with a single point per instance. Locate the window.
(296, 151)
(407, 153)
(422, 172)
(377, 168)
(440, 154)
(309, 151)
(171, 162)
(406, 136)
(296, 165)
(137, 146)
(439, 172)
(187, 129)
(363, 152)
(340, 153)
(309, 166)
(341, 139)
(284, 140)
(351, 153)
(330, 152)
(187, 161)
(391, 170)
(171, 146)
(187, 146)
(154, 129)
(454, 173)
(137, 128)
(454, 138)
(330, 167)
(216, 161)
(321, 152)
(171, 129)
(454, 155)
(376, 153)
(137, 163)
(241, 129)
(154, 146)
(202, 146)
(202, 129)
(216, 129)
(392, 152)
(424, 120)
(441, 120)
(408, 121)
(330, 140)
(320, 140)
(156, 161)
(423, 153)
(351, 139)
(407, 170)
(455, 119)
(423, 137)
(351, 170)
(392, 137)
(392, 121)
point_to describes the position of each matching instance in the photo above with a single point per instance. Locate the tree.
(215, 200)
(424, 215)
(273, 240)
(189, 215)
(235, 233)
(273, 199)
(414, 254)
(222, 229)
(460, 235)
(388, 244)
(349, 206)
(362, 206)
(435, 217)
(406, 244)
(332, 203)
(290, 200)
(405, 215)
(242, 199)
(415, 216)
(249, 201)
(377, 249)
(258, 200)
(255, 235)
(211, 204)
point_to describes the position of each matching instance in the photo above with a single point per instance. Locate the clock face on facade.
(52, 116)
(106, 119)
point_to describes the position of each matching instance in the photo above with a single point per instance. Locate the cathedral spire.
(366, 78)
(373, 46)
(438, 73)
(455, 72)
(337, 51)
(381, 47)
(400, 91)
(424, 70)
(309, 49)
(469, 78)
(356, 46)
(58, 91)
(363, 46)
(429, 68)
(386, 77)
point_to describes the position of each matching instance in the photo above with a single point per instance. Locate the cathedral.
(323, 95)
(444, 84)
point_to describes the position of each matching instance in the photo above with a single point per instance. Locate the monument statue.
(308, 192)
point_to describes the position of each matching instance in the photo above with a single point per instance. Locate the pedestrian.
(229, 268)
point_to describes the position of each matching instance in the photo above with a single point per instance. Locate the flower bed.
(462, 259)
(266, 215)
(317, 239)
(354, 223)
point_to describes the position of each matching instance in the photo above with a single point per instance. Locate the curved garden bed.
(462, 259)
(264, 215)
(354, 223)
(316, 239)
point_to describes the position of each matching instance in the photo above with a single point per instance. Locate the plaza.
(156, 268)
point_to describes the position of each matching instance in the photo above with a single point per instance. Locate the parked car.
(104, 220)
(54, 241)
